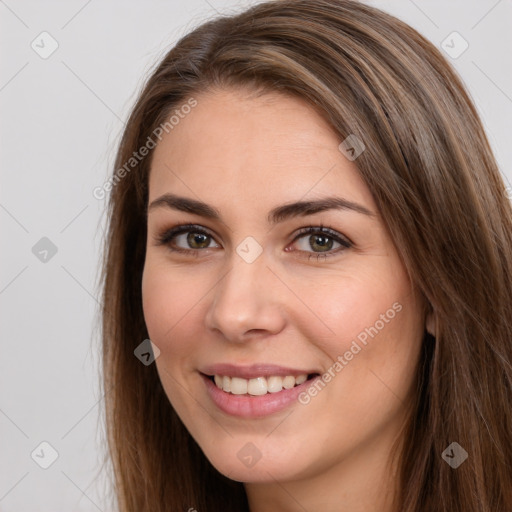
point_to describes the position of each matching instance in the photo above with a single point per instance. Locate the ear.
(430, 322)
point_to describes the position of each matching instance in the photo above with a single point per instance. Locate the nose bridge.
(244, 300)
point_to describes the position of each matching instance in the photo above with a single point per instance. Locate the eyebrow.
(276, 215)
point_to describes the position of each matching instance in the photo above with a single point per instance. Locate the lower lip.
(248, 406)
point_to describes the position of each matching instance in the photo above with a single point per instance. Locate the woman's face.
(246, 294)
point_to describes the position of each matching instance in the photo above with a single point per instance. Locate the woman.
(307, 222)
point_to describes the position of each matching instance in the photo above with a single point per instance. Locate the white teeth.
(288, 382)
(238, 386)
(301, 378)
(274, 384)
(259, 385)
(226, 384)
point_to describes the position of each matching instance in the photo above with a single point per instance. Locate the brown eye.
(321, 241)
(197, 240)
(186, 239)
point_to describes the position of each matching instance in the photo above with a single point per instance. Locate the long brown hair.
(436, 184)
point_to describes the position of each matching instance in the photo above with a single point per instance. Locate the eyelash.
(169, 235)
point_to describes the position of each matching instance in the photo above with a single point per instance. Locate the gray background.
(61, 118)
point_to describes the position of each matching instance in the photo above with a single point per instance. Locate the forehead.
(236, 143)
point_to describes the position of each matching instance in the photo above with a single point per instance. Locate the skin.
(244, 155)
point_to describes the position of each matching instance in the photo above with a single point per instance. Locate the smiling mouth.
(260, 385)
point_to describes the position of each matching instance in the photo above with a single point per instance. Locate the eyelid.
(339, 237)
(167, 235)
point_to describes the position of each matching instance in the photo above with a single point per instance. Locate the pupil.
(198, 238)
(324, 241)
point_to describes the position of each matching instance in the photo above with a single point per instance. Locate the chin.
(248, 463)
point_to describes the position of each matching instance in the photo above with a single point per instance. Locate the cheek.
(171, 306)
(170, 303)
(356, 304)
(372, 366)
(373, 341)
(375, 351)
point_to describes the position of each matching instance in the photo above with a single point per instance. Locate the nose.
(247, 302)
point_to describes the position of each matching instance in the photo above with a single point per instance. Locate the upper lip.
(252, 371)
